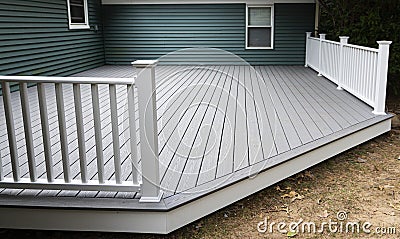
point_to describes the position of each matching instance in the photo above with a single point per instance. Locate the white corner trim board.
(263, 2)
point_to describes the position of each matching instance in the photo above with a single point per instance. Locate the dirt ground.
(361, 186)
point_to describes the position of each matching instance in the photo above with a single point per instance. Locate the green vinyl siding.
(35, 39)
(151, 31)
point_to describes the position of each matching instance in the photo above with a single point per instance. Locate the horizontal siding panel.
(151, 31)
(48, 45)
(51, 67)
(35, 39)
(47, 40)
(38, 58)
(7, 13)
(46, 36)
(57, 4)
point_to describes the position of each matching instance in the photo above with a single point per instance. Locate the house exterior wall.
(35, 39)
(150, 31)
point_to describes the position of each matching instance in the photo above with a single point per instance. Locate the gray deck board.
(172, 124)
(358, 106)
(240, 143)
(264, 130)
(208, 113)
(311, 127)
(292, 115)
(306, 106)
(266, 105)
(341, 107)
(189, 119)
(330, 106)
(317, 104)
(195, 117)
(291, 134)
(213, 121)
(254, 134)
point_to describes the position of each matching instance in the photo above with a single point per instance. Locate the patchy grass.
(363, 182)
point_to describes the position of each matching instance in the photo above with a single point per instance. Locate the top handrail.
(68, 80)
(362, 47)
(346, 45)
(314, 38)
(324, 40)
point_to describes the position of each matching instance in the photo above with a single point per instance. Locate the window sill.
(259, 48)
(79, 26)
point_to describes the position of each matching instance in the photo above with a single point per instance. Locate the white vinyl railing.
(145, 181)
(362, 71)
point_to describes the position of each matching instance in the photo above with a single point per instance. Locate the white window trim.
(272, 27)
(73, 26)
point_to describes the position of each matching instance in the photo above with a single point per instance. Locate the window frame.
(73, 26)
(249, 26)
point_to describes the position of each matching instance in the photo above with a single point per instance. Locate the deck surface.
(213, 121)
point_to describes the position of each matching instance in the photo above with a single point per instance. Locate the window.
(259, 27)
(78, 14)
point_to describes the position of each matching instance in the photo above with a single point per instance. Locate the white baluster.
(115, 132)
(45, 131)
(132, 133)
(26, 115)
(97, 133)
(12, 142)
(80, 132)
(62, 126)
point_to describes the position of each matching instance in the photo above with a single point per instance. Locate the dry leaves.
(309, 175)
(385, 187)
(283, 208)
(396, 207)
(325, 214)
(293, 195)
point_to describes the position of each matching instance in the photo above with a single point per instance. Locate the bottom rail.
(60, 184)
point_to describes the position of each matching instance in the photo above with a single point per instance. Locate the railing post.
(145, 83)
(308, 35)
(321, 37)
(343, 41)
(381, 77)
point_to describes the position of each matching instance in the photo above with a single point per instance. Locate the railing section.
(362, 71)
(24, 175)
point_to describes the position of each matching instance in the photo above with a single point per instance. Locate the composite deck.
(217, 126)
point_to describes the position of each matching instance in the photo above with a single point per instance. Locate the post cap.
(322, 35)
(344, 39)
(308, 33)
(144, 63)
(384, 42)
